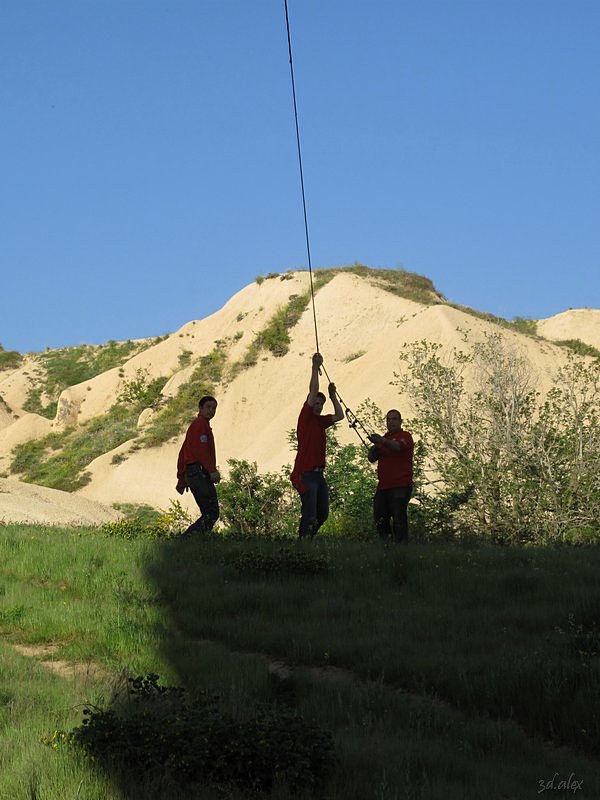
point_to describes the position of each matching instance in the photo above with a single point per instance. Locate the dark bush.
(167, 732)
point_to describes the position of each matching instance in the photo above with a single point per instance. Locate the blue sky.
(149, 166)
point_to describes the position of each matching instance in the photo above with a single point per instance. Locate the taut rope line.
(312, 291)
(353, 421)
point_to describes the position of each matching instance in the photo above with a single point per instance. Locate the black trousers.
(390, 511)
(205, 495)
(315, 503)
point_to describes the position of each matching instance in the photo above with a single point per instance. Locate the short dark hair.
(205, 399)
(321, 395)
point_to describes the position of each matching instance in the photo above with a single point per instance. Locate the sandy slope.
(362, 332)
(24, 502)
(577, 323)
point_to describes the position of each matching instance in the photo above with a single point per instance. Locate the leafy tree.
(512, 466)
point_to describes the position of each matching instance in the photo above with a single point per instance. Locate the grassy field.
(440, 672)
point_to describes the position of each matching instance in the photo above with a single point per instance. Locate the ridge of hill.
(113, 434)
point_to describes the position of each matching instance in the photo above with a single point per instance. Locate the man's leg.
(205, 495)
(399, 506)
(308, 516)
(322, 501)
(382, 514)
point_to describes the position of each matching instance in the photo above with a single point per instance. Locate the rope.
(312, 291)
(353, 422)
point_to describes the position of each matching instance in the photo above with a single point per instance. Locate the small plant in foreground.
(165, 525)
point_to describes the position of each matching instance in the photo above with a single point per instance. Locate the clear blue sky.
(149, 166)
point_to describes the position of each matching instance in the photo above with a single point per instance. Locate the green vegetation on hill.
(275, 336)
(59, 460)
(579, 347)
(401, 282)
(9, 359)
(178, 411)
(68, 366)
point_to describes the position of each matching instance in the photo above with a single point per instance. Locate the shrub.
(524, 325)
(166, 731)
(579, 348)
(9, 359)
(165, 525)
(184, 358)
(257, 505)
(140, 391)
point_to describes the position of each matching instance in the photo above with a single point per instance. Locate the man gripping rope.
(307, 475)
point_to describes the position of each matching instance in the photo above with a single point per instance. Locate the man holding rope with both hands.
(394, 453)
(307, 475)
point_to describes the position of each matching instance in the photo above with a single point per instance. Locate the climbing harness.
(353, 421)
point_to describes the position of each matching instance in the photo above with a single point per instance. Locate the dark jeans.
(390, 513)
(205, 496)
(315, 503)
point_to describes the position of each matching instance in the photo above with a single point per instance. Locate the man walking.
(307, 475)
(197, 467)
(394, 454)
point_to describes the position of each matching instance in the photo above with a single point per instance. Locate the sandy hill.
(577, 323)
(364, 323)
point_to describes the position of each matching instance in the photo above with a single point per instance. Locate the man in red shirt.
(394, 454)
(307, 475)
(197, 466)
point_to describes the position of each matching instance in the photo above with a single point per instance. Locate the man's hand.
(332, 390)
(373, 453)
(215, 476)
(181, 486)
(317, 361)
(375, 438)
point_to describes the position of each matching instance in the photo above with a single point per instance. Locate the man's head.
(207, 406)
(393, 420)
(319, 403)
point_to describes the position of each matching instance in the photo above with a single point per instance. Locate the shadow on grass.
(219, 723)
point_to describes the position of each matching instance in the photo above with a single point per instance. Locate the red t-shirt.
(310, 433)
(395, 469)
(198, 447)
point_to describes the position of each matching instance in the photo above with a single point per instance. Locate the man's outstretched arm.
(313, 386)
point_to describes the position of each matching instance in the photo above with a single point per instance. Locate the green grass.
(468, 673)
